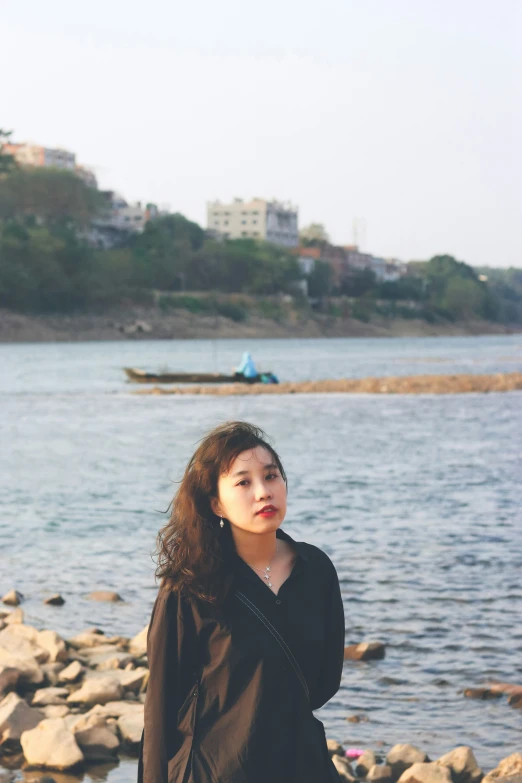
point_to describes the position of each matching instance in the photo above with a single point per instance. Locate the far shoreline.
(139, 323)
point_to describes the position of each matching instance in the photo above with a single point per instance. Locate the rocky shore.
(68, 704)
(412, 384)
(135, 323)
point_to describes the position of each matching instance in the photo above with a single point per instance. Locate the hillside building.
(271, 221)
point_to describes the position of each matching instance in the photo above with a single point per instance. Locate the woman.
(246, 636)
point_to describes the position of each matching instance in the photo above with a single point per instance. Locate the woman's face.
(252, 495)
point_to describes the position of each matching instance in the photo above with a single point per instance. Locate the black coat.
(223, 703)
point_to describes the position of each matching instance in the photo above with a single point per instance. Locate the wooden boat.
(140, 376)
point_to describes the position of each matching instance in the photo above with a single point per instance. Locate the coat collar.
(243, 569)
(299, 546)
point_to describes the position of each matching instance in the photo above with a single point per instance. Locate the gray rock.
(12, 598)
(462, 765)
(52, 671)
(481, 693)
(97, 690)
(115, 709)
(110, 646)
(41, 779)
(16, 617)
(56, 711)
(131, 728)
(430, 772)
(115, 659)
(44, 697)
(54, 644)
(51, 744)
(344, 769)
(366, 651)
(138, 644)
(510, 779)
(510, 767)
(9, 677)
(89, 638)
(90, 657)
(105, 595)
(28, 669)
(400, 757)
(380, 773)
(55, 600)
(365, 763)
(16, 717)
(133, 680)
(21, 641)
(98, 742)
(335, 748)
(357, 718)
(71, 673)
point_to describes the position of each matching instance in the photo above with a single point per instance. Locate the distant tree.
(109, 276)
(164, 251)
(7, 162)
(506, 283)
(320, 280)
(455, 288)
(408, 287)
(359, 283)
(314, 233)
(52, 196)
(243, 266)
(32, 275)
(462, 299)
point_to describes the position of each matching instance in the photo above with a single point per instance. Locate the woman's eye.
(243, 483)
(272, 476)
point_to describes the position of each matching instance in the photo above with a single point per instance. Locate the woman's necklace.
(266, 571)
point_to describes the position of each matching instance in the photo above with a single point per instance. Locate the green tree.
(32, 276)
(408, 287)
(7, 162)
(462, 298)
(164, 251)
(506, 286)
(313, 234)
(360, 283)
(455, 288)
(320, 280)
(52, 196)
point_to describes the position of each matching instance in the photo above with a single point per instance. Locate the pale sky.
(405, 114)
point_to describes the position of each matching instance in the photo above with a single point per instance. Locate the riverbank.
(413, 384)
(135, 323)
(68, 704)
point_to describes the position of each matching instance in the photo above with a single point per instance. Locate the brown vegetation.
(411, 384)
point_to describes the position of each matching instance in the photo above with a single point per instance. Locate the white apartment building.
(118, 220)
(122, 216)
(271, 221)
(59, 159)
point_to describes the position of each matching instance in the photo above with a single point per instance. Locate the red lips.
(266, 510)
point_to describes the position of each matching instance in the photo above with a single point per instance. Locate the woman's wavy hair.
(194, 553)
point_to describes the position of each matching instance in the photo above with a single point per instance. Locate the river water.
(415, 498)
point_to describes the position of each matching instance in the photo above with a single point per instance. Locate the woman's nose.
(263, 491)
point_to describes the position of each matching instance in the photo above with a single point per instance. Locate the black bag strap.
(277, 636)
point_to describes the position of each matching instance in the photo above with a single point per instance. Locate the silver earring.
(221, 524)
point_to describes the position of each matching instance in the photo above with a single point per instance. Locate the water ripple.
(416, 499)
